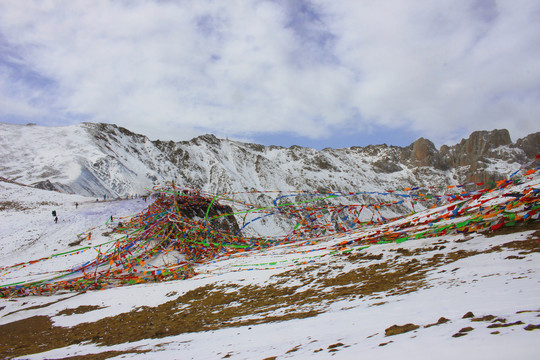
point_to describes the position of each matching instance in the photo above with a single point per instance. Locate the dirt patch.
(531, 327)
(468, 315)
(408, 252)
(526, 311)
(75, 243)
(400, 329)
(484, 318)
(80, 310)
(442, 320)
(105, 355)
(527, 246)
(514, 257)
(463, 332)
(365, 256)
(520, 227)
(41, 306)
(294, 349)
(12, 205)
(14, 336)
(492, 326)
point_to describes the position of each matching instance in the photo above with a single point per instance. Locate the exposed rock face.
(475, 156)
(424, 153)
(530, 145)
(479, 146)
(103, 159)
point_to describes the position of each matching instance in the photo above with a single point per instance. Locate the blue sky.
(317, 73)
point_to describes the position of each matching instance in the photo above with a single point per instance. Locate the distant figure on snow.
(56, 219)
(76, 205)
(112, 219)
(54, 213)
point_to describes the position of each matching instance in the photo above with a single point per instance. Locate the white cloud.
(175, 69)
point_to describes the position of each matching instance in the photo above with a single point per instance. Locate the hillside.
(459, 280)
(101, 159)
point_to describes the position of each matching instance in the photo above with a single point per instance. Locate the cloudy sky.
(309, 72)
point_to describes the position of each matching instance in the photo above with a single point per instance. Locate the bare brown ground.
(80, 310)
(213, 307)
(40, 306)
(400, 329)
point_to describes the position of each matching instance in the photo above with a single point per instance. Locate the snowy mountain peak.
(96, 159)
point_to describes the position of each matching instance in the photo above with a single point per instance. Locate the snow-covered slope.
(86, 159)
(391, 300)
(105, 160)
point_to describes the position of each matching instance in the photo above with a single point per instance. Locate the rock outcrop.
(104, 159)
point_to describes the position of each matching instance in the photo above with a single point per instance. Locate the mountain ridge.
(109, 160)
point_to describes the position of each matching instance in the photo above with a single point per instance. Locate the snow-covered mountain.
(102, 159)
(335, 296)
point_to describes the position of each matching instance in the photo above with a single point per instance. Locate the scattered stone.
(386, 343)
(463, 332)
(442, 320)
(495, 332)
(400, 329)
(514, 257)
(526, 311)
(333, 346)
(484, 318)
(80, 310)
(293, 349)
(468, 315)
(492, 326)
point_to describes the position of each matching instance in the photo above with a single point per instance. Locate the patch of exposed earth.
(299, 293)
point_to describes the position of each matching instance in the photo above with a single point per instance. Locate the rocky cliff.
(103, 159)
